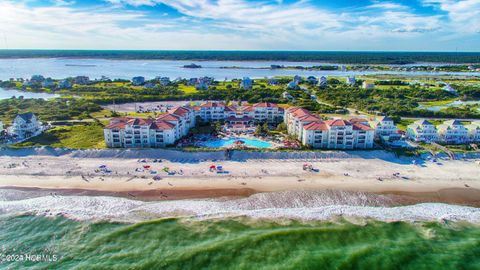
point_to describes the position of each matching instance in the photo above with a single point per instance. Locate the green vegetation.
(75, 137)
(47, 110)
(400, 101)
(296, 56)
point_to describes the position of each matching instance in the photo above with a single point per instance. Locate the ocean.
(285, 230)
(237, 243)
(60, 68)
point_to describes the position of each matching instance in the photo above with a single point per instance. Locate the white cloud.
(219, 24)
(464, 15)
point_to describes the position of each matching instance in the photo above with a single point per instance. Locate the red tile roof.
(360, 126)
(297, 112)
(179, 111)
(265, 104)
(338, 123)
(317, 125)
(169, 117)
(161, 125)
(308, 117)
(212, 104)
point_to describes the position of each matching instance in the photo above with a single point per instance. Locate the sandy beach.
(451, 181)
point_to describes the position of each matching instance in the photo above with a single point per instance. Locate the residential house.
(385, 127)
(292, 85)
(323, 82)
(139, 80)
(312, 80)
(150, 85)
(81, 80)
(287, 95)
(351, 80)
(273, 81)
(164, 81)
(422, 131)
(64, 84)
(246, 83)
(453, 132)
(474, 131)
(25, 125)
(37, 79)
(368, 85)
(450, 89)
(48, 83)
(297, 79)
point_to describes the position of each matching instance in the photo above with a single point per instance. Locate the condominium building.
(452, 132)
(312, 131)
(295, 118)
(337, 134)
(265, 112)
(172, 126)
(139, 133)
(422, 131)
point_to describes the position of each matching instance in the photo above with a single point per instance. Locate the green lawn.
(187, 89)
(76, 137)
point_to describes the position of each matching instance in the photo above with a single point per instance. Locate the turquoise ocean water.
(236, 243)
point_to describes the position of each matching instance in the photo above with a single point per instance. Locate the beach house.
(452, 132)
(246, 83)
(385, 127)
(25, 125)
(422, 131)
(474, 131)
(139, 80)
(338, 134)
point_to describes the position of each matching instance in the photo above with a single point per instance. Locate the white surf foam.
(265, 206)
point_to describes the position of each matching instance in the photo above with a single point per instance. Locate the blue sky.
(405, 25)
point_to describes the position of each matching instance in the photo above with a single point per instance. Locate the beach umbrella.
(212, 167)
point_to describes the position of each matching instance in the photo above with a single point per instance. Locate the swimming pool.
(220, 143)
